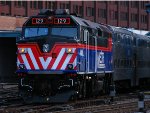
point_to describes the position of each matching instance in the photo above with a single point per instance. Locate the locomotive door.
(86, 41)
(95, 56)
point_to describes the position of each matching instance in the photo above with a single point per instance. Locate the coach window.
(139, 43)
(114, 37)
(118, 63)
(149, 44)
(129, 41)
(114, 63)
(142, 43)
(126, 40)
(145, 43)
(121, 63)
(118, 38)
(134, 41)
(122, 37)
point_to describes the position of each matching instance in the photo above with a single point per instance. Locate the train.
(61, 56)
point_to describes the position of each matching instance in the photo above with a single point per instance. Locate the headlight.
(23, 50)
(70, 66)
(69, 50)
(45, 48)
(21, 66)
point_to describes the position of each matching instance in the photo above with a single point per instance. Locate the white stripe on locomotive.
(25, 61)
(59, 57)
(75, 62)
(69, 56)
(45, 63)
(33, 58)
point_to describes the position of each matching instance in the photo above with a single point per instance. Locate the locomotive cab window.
(91, 33)
(68, 32)
(99, 32)
(35, 32)
(102, 39)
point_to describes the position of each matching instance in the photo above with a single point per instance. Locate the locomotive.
(61, 56)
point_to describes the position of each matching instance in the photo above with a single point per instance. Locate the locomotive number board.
(36, 21)
(56, 21)
(61, 20)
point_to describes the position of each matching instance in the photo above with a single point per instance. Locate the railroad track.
(128, 106)
(88, 106)
(6, 91)
(122, 103)
(9, 94)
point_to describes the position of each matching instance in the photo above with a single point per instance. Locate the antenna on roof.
(46, 12)
(62, 11)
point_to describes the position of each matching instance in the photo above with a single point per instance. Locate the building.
(130, 14)
(8, 56)
(11, 23)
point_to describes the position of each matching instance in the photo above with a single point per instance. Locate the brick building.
(118, 13)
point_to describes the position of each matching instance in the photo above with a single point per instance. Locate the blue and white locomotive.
(61, 56)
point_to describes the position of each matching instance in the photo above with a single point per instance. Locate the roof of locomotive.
(109, 28)
(88, 23)
(120, 30)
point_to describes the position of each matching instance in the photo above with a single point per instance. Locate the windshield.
(33, 32)
(64, 32)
